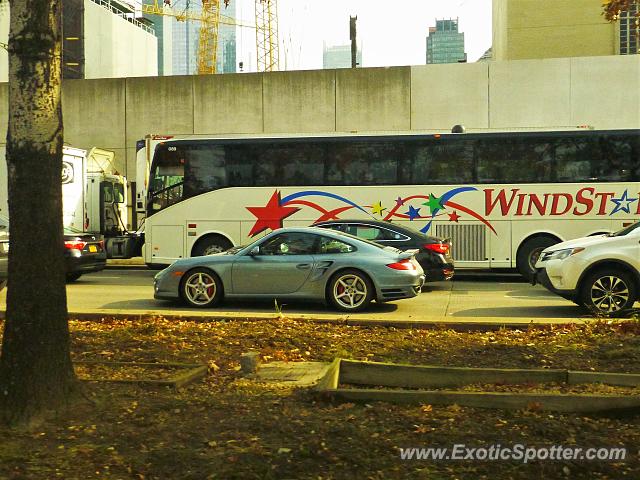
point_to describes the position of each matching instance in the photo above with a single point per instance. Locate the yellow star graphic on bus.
(378, 208)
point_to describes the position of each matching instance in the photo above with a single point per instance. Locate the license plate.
(93, 248)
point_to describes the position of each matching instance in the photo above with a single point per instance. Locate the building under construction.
(114, 38)
(101, 39)
(178, 38)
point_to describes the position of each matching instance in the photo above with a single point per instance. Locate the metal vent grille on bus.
(468, 242)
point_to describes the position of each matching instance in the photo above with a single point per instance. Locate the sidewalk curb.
(96, 316)
(122, 266)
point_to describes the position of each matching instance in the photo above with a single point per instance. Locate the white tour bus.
(500, 197)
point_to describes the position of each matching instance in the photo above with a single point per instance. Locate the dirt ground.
(228, 427)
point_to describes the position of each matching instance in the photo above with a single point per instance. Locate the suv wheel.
(608, 291)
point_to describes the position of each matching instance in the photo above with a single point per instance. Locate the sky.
(389, 32)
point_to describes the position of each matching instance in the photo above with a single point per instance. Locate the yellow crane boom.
(208, 41)
(211, 17)
(267, 35)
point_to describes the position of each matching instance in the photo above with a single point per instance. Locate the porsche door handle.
(303, 266)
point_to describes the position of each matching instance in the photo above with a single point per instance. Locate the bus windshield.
(166, 179)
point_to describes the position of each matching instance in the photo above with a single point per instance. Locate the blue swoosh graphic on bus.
(451, 193)
(445, 198)
(293, 196)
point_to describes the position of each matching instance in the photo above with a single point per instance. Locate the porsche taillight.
(403, 265)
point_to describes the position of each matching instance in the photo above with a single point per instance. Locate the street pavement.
(479, 300)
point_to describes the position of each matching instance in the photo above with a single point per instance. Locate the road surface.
(469, 299)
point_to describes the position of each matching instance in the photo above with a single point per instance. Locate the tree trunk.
(36, 373)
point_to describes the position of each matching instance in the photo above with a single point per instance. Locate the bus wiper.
(162, 190)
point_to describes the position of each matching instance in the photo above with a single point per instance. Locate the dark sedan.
(435, 253)
(83, 252)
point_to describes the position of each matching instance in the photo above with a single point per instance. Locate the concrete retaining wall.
(114, 113)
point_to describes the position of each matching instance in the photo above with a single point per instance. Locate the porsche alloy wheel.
(350, 290)
(201, 288)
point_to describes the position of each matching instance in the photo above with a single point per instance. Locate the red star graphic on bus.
(453, 217)
(271, 215)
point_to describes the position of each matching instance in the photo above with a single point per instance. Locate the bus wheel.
(201, 288)
(350, 291)
(530, 251)
(211, 244)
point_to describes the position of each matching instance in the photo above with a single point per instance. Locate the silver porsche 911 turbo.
(304, 263)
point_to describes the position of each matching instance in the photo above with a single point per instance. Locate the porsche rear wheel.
(350, 291)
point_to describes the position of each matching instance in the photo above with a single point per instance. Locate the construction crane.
(210, 19)
(208, 41)
(267, 35)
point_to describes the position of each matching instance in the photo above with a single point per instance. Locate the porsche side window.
(289, 244)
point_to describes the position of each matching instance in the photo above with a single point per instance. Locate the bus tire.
(210, 244)
(529, 252)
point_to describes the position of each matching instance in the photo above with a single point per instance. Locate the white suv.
(600, 272)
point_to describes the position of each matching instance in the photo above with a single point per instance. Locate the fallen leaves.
(227, 427)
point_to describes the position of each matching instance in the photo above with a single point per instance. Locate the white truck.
(94, 198)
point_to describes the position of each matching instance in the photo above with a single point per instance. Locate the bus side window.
(240, 160)
(302, 164)
(617, 159)
(514, 161)
(572, 162)
(442, 163)
(205, 169)
(362, 163)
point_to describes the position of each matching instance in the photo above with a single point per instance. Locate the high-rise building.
(445, 44)
(186, 35)
(227, 41)
(185, 39)
(339, 56)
